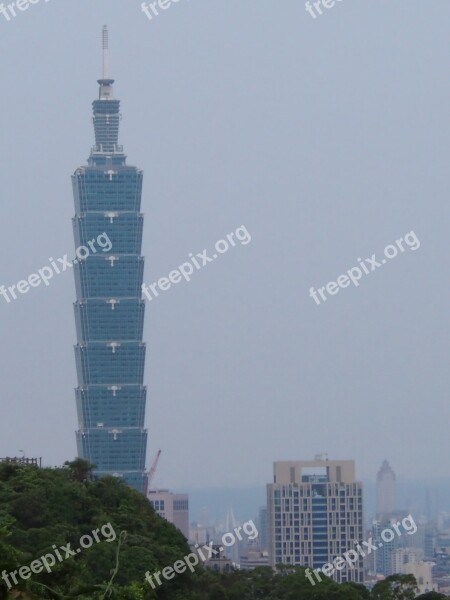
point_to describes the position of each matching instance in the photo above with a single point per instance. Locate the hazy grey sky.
(328, 139)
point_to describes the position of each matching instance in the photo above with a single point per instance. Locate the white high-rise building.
(173, 507)
(402, 556)
(422, 571)
(315, 514)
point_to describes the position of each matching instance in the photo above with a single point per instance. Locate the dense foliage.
(42, 510)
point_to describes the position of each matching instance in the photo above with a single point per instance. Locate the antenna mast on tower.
(105, 40)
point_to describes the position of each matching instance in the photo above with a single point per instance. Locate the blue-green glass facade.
(109, 310)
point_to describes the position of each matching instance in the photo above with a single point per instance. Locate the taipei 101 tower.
(109, 309)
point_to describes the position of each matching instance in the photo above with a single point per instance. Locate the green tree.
(9, 559)
(80, 469)
(395, 587)
(48, 508)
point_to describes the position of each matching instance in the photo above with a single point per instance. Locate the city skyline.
(220, 379)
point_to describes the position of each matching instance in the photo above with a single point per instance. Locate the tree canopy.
(45, 511)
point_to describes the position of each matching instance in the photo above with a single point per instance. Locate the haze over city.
(327, 140)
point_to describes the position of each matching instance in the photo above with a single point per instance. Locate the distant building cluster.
(418, 555)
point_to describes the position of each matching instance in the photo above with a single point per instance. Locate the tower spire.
(106, 90)
(105, 39)
(106, 110)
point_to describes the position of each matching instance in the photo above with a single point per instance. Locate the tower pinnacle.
(105, 52)
(106, 110)
(106, 90)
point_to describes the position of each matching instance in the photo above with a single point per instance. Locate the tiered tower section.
(109, 310)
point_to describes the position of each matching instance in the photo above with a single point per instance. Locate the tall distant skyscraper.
(109, 311)
(386, 490)
(262, 529)
(315, 514)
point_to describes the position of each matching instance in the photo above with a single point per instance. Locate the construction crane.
(152, 472)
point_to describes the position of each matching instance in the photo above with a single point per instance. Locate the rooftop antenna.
(105, 44)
